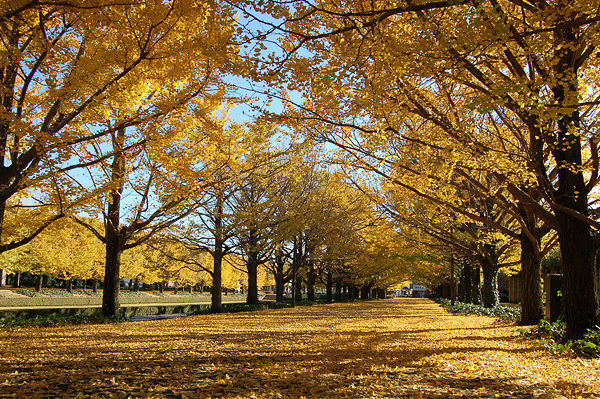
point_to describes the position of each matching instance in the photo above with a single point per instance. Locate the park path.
(385, 348)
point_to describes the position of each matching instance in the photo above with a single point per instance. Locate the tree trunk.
(95, 285)
(3, 274)
(70, 285)
(115, 237)
(279, 288)
(468, 285)
(216, 291)
(338, 289)
(252, 268)
(476, 286)
(216, 299)
(161, 287)
(298, 289)
(579, 292)
(452, 283)
(329, 287)
(531, 304)
(310, 282)
(490, 284)
(112, 271)
(39, 282)
(83, 284)
(351, 292)
(364, 292)
(577, 244)
(17, 281)
(462, 284)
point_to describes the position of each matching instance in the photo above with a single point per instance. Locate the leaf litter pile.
(405, 347)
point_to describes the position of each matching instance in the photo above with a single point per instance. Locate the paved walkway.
(391, 348)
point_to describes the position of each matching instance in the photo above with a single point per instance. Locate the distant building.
(418, 290)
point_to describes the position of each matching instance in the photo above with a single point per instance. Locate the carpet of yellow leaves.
(391, 348)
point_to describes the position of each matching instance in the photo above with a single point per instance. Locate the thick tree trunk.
(579, 291)
(112, 271)
(364, 292)
(338, 289)
(70, 285)
(218, 254)
(39, 282)
(577, 244)
(490, 284)
(17, 281)
(329, 287)
(279, 288)
(351, 292)
(468, 285)
(95, 285)
(216, 299)
(115, 237)
(298, 289)
(3, 274)
(531, 304)
(252, 268)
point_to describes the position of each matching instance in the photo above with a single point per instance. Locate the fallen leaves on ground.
(391, 348)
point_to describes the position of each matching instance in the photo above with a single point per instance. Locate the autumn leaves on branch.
(465, 132)
(479, 114)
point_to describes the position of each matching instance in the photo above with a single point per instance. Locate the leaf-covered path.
(389, 348)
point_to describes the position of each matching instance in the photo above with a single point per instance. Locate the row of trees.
(466, 133)
(479, 118)
(131, 142)
(281, 222)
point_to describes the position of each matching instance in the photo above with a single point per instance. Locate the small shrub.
(92, 293)
(60, 293)
(184, 293)
(29, 293)
(132, 294)
(551, 336)
(505, 313)
(56, 319)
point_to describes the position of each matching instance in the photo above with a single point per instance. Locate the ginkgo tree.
(525, 69)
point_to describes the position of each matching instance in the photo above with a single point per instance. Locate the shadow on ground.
(393, 348)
